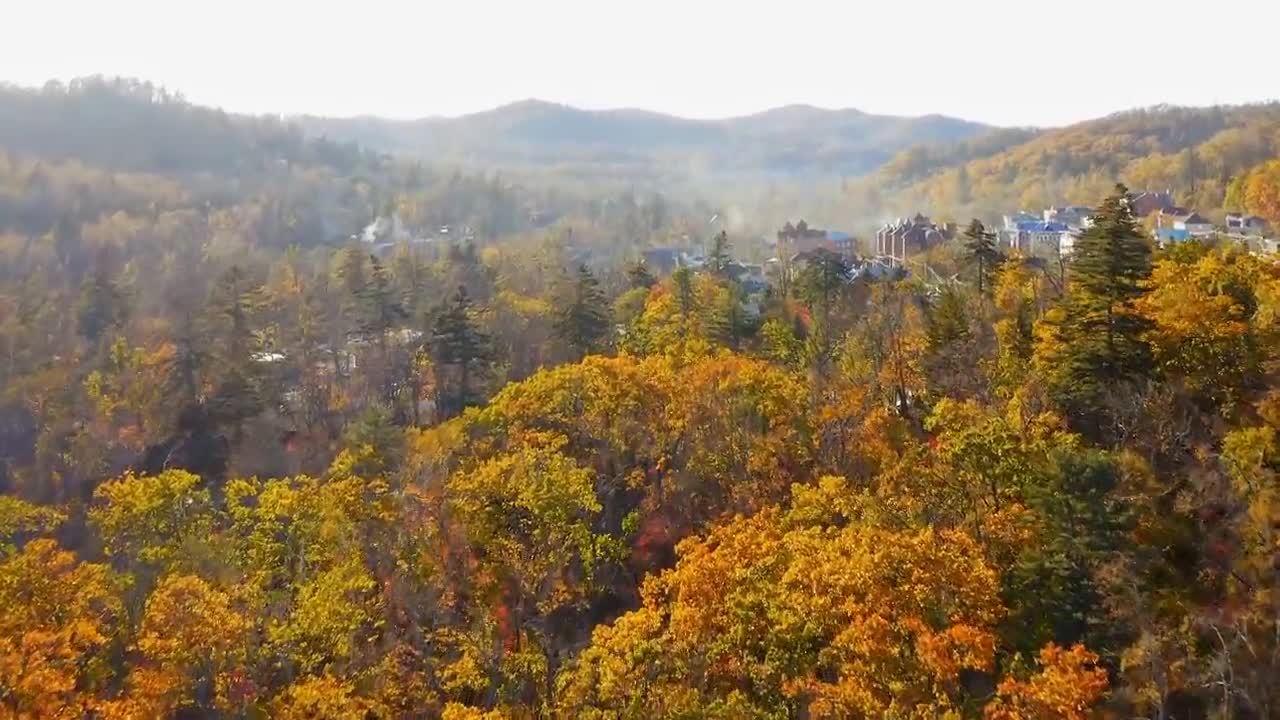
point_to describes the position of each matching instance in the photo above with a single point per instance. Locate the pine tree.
(638, 275)
(377, 307)
(820, 281)
(1095, 340)
(237, 378)
(719, 259)
(583, 321)
(682, 284)
(100, 308)
(982, 251)
(456, 342)
(819, 284)
(948, 321)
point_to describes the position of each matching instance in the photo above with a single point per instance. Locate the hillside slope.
(792, 140)
(1193, 151)
(129, 125)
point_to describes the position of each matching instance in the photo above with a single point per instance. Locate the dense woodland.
(252, 467)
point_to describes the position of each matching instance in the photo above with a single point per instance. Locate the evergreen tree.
(411, 279)
(682, 284)
(952, 359)
(820, 282)
(100, 308)
(638, 275)
(1095, 339)
(948, 322)
(457, 343)
(982, 252)
(583, 321)
(719, 259)
(351, 270)
(377, 307)
(237, 387)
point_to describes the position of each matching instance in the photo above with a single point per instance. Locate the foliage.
(1095, 340)
(288, 429)
(1067, 686)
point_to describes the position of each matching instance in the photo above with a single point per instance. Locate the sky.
(1005, 62)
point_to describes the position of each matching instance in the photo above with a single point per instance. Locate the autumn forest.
(292, 427)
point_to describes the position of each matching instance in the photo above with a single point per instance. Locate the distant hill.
(787, 141)
(1195, 152)
(127, 125)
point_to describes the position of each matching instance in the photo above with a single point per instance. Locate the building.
(843, 243)
(665, 260)
(1036, 237)
(1145, 203)
(1195, 224)
(1246, 225)
(909, 236)
(1011, 222)
(800, 238)
(1071, 216)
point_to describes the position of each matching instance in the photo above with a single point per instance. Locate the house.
(878, 269)
(1036, 237)
(1195, 224)
(662, 260)
(1247, 225)
(906, 236)
(843, 243)
(1011, 222)
(1145, 203)
(800, 238)
(1071, 216)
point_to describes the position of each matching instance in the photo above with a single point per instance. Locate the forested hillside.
(291, 434)
(650, 147)
(1195, 152)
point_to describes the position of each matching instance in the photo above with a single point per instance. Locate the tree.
(1095, 341)
(719, 259)
(981, 247)
(827, 622)
(953, 360)
(821, 281)
(458, 344)
(1068, 685)
(638, 275)
(60, 619)
(1258, 191)
(101, 306)
(583, 319)
(237, 379)
(378, 307)
(1202, 332)
(193, 640)
(154, 523)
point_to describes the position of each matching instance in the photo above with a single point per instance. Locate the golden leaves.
(1070, 682)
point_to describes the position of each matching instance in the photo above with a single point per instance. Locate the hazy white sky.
(1008, 62)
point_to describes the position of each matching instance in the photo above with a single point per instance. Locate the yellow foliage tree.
(58, 620)
(757, 620)
(1067, 687)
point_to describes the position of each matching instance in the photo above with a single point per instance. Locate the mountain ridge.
(790, 140)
